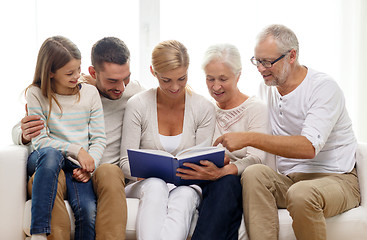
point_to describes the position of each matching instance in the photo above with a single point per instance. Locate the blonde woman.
(171, 118)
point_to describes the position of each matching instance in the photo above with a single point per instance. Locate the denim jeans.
(47, 163)
(83, 201)
(220, 212)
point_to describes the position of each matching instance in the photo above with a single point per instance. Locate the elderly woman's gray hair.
(225, 53)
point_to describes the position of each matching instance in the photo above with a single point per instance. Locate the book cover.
(145, 163)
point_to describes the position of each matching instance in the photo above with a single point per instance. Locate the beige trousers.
(109, 186)
(309, 198)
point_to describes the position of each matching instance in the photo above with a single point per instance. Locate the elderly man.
(312, 139)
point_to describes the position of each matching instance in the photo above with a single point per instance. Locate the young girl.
(73, 139)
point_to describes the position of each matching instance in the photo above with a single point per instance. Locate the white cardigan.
(140, 127)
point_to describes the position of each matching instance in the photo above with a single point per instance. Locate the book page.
(154, 151)
(197, 150)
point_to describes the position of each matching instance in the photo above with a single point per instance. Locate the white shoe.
(40, 236)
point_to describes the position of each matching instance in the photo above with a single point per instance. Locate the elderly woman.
(220, 212)
(170, 118)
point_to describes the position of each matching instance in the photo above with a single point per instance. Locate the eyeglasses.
(267, 64)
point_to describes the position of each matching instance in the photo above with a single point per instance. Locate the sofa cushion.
(132, 204)
(349, 225)
(27, 218)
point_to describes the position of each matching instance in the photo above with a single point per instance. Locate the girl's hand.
(81, 175)
(86, 161)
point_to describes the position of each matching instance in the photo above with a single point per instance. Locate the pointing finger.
(218, 140)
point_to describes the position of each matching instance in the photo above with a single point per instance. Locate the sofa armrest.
(362, 171)
(13, 190)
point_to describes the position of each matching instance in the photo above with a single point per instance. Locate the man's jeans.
(47, 163)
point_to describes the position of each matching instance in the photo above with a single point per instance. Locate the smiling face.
(221, 81)
(112, 79)
(278, 73)
(172, 83)
(66, 78)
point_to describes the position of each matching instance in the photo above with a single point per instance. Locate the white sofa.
(15, 211)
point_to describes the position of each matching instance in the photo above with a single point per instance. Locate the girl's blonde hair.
(54, 53)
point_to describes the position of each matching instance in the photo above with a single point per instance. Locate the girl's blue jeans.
(46, 164)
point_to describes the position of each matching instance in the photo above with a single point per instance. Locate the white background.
(331, 33)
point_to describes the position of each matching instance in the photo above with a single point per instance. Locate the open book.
(145, 163)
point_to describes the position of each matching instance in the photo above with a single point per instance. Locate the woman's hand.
(86, 161)
(81, 175)
(208, 171)
(226, 160)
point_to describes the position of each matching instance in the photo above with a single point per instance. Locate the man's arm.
(285, 146)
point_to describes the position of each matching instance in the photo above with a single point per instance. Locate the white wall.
(17, 50)
(361, 85)
(332, 37)
(25, 24)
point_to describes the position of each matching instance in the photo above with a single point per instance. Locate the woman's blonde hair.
(169, 55)
(54, 53)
